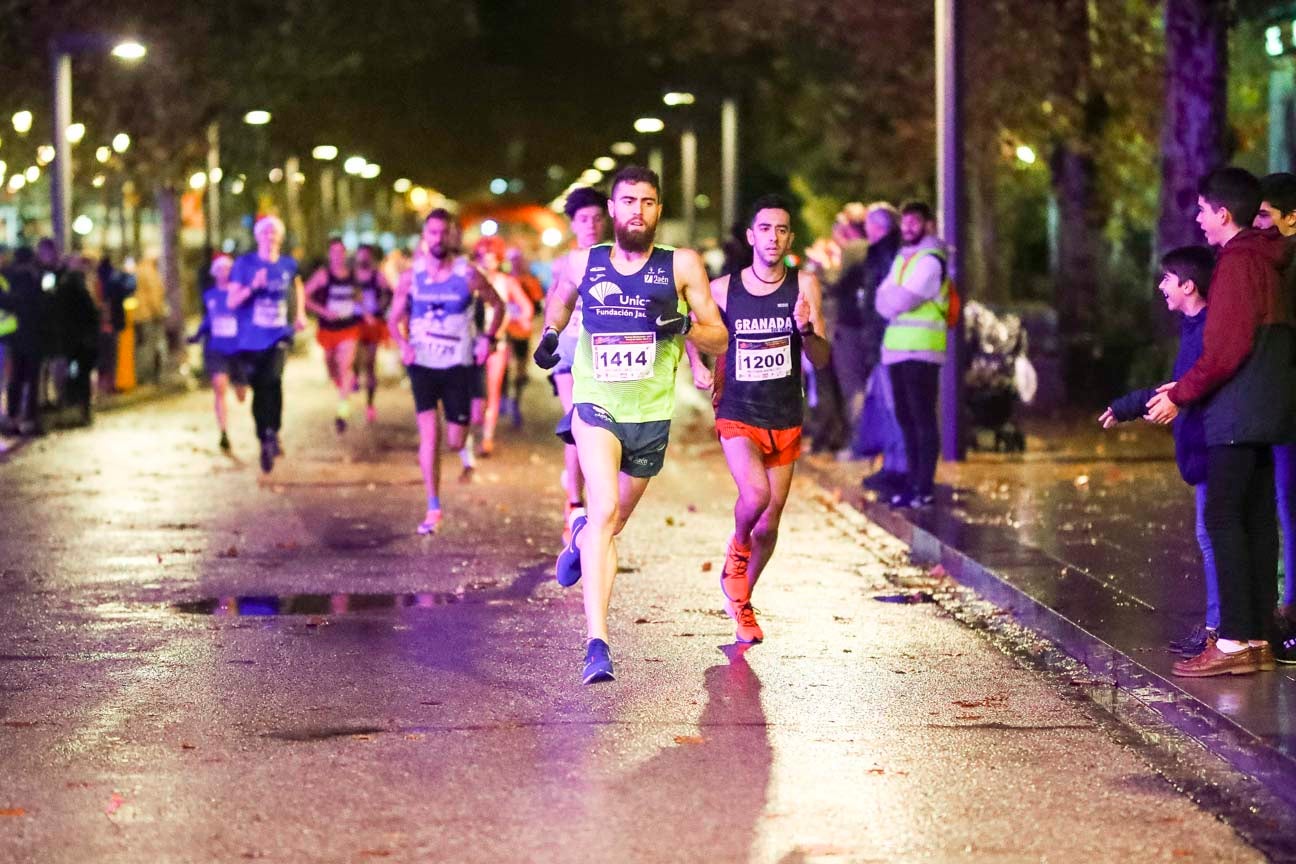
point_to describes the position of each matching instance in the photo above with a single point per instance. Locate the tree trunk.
(1192, 128)
(168, 205)
(1077, 270)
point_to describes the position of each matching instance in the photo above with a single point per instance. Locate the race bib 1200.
(763, 359)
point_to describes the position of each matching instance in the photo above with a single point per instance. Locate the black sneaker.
(224, 442)
(267, 453)
(884, 482)
(340, 425)
(1194, 643)
(598, 663)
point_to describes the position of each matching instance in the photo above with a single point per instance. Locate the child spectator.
(1185, 277)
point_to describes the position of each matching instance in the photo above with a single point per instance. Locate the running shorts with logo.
(643, 445)
(758, 379)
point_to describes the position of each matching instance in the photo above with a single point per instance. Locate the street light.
(325, 152)
(22, 122)
(44, 154)
(257, 117)
(649, 125)
(1026, 154)
(32, 173)
(354, 164)
(121, 142)
(623, 148)
(76, 132)
(605, 163)
(61, 49)
(673, 99)
(370, 171)
(129, 50)
(103, 154)
(401, 186)
(197, 180)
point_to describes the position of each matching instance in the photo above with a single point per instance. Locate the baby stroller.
(997, 378)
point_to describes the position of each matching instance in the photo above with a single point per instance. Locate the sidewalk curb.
(1215, 731)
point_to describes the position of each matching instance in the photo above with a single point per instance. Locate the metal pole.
(292, 166)
(214, 232)
(728, 165)
(328, 210)
(688, 182)
(61, 173)
(949, 200)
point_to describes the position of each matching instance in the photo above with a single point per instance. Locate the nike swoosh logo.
(661, 323)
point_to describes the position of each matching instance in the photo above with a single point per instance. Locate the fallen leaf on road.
(820, 849)
(415, 736)
(13, 811)
(670, 520)
(316, 621)
(20, 724)
(706, 566)
(185, 745)
(692, 508)
(375, 853)
(906, 597)
(361, 737)
(114, 803)
(288, 545)
(689, 739)
(1082, 480)
(231, 552)
(159, 559)
(970, 717)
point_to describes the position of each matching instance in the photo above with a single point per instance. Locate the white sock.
(572, 516)
(466, 454)
(1228, 646)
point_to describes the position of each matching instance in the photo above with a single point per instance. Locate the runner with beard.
(432, 321)
(772, 312)
(639, 303)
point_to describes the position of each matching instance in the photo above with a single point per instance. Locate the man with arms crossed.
(635, 304)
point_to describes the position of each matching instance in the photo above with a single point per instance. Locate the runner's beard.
(633, 239)
(439, 252)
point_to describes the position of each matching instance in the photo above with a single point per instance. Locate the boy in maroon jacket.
(1243, 382)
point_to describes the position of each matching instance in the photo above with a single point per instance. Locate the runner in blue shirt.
(260, 283)
(219, 333)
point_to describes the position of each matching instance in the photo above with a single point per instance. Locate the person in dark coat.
(22, 298)
(1185, 279)
(75, 318)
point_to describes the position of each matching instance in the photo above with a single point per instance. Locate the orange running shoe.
(748, 629)
(733, 576)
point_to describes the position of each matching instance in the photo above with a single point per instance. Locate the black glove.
(546, 353)
(672, 323)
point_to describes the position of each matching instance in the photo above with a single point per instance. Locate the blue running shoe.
(598, 663)
(568, 568)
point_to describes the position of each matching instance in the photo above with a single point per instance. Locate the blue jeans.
(1208, 561)
(1284, 456)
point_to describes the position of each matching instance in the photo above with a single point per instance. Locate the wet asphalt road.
(420, 702)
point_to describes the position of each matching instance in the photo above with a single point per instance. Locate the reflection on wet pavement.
(316, 604)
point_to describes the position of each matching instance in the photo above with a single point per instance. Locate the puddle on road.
(315, 604)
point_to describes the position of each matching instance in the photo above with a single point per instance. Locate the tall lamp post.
(62, 48)
(949, 200)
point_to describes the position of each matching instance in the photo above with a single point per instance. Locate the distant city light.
(276, 175)
(32, 174)
(44, 154)
(325, 152)
(702, 201)
(237, 186)
(83, 225)
(649, 125)
(1273, 40)
(551, 237)
(76, 132)
(555, 172)
(370, 171)
(590, 176)
(17, 182)
(498, 186)
(605, 163)
(489, 228)
(130, 50)
(103, 154)
(215, 174)
(354, 164)
(121, 142)
(257, 117)
(623, 148)
(401, 186)
(197, 180)
(1026, 154)
(98, 181)
(22, 122)
(299, 178)
(673, 99)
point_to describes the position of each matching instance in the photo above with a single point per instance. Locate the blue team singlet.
(441, 319)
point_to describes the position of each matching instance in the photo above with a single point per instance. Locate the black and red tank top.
(760, 374)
